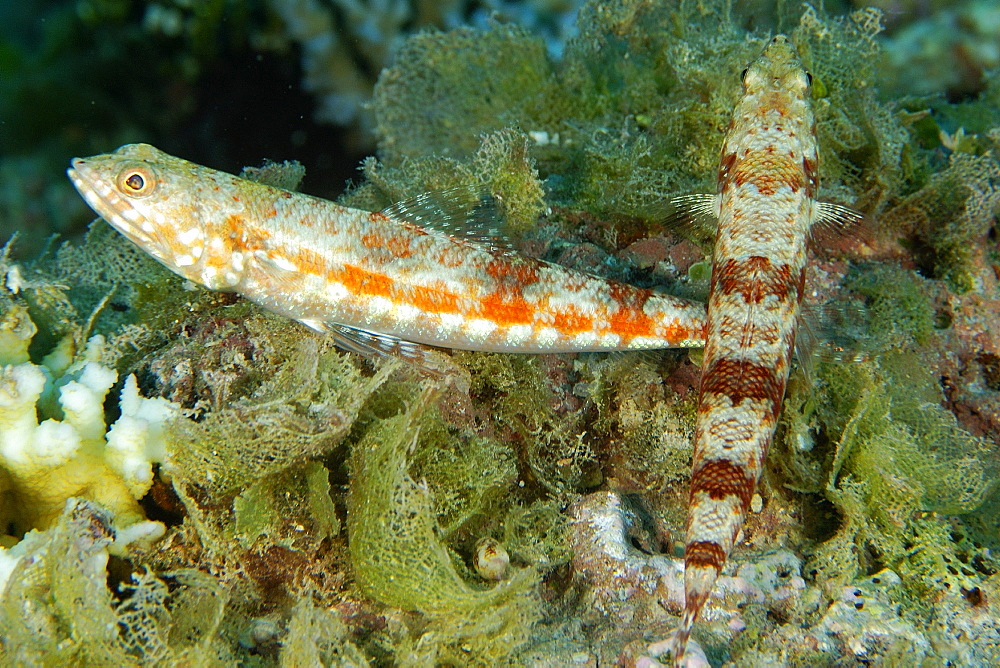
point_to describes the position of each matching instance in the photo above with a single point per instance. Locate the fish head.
(167, 206)
(777, 69)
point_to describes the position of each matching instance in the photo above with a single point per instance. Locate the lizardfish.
(384, 282)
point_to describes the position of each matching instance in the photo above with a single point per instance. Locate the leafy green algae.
(502, 166)
(398, 558)
(58, 609)
(873, 438)
(945, 217)
(466, 82)
(303, 411)
(619, 124)
(631, 115)
(263, 510)
(317, 637)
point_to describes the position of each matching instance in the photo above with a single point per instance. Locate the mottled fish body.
(766, 204)
(380, 282)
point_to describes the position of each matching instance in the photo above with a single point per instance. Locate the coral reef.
(345, 43)
(45, 463)
(320, 508)
(948, 51)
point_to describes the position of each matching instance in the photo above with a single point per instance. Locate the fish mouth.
(101, 196)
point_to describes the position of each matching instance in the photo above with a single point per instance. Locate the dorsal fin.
(460, 212)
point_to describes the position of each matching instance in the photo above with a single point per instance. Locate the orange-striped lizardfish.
(378, 282)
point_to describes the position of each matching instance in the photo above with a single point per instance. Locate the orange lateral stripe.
(359, 281)
(506, 309)
(571, 321)
(310, 262)
(434, 300)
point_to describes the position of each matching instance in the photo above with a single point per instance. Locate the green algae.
(650, 426)
(317, 637)
(469, 476)
(58, 608)
(398, 558)
(281, 507)
(619, 124)
(501, 166)
(302, 412)
(945, 217)
(630, 116)
(538, 534)
(433, 101)
(873, 438)
(899, 310)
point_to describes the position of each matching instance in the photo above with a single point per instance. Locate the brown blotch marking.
(809, 168)
(518, 273)
(742, 380)
(629, 320)
(720, 478)
(448, 256)
(755, 277)
(704, 553)
(372, 241)
(399, 246)
(725, 168)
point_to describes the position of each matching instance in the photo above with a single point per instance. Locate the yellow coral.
(53, 460)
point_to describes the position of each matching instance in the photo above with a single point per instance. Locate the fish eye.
(743, 74)
(136, 181)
